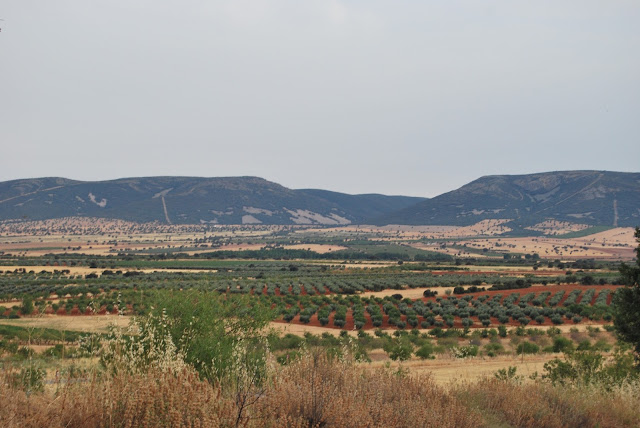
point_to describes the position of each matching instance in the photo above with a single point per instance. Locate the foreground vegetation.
(196, 361)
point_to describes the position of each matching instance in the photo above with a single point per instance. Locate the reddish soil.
(567, 288)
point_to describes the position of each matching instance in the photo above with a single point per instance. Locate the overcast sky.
(396, 97)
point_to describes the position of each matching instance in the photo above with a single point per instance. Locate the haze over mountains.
(588, 197)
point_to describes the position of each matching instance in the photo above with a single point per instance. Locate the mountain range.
(600, 198)
(190, 200)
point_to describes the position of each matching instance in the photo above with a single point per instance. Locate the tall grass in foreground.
(186, 365)
(315, 390)
(543, 405)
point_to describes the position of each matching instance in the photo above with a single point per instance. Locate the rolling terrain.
(596, 198)
(189, 200)
(528, 204)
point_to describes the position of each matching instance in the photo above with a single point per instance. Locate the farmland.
(373, 294)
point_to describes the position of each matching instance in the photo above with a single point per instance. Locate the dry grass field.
(447, 369)
(88, 323)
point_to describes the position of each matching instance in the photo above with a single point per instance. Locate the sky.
(360, 96)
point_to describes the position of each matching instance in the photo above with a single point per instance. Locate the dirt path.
(166, 213)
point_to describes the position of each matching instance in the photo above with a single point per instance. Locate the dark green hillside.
(188, 200)
(598, 198)
(366, 206)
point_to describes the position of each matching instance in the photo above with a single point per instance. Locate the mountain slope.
(368, 205)
(589, 197)
(184, 200)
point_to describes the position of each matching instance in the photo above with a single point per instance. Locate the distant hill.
(599, 198)
(189, 200)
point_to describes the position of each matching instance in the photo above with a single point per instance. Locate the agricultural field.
(370, 295)
(488, 239)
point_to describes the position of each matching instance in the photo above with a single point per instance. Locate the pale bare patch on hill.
(483, 228)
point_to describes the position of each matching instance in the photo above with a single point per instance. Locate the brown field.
(89, 323)
(447, 369)
(614, 244)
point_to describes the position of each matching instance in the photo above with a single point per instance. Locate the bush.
(27, 305)
(527, 348)
(584, 345)
(492, 349)
(426, 351)
(562, 344)
(398, 349)
(205, 329)
(465, 351)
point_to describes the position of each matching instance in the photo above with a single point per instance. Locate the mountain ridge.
(188, 200)
(581, 196)
(598, 198)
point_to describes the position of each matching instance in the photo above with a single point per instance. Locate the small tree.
(27, 305)
(627, 302)
(398, 350)
(426, 351)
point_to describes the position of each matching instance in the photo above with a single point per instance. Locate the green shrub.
(398, 349)
(527, 348)
(562, 344)
(492, 349)
(464, 351)
(584, 345)
(426, 351)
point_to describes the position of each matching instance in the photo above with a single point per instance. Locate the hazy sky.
(397, 97)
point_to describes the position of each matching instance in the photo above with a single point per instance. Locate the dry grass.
(319, 391)
(89, 323)
(540, 405)
(154, 400)
(447, 370)
(315, 391)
